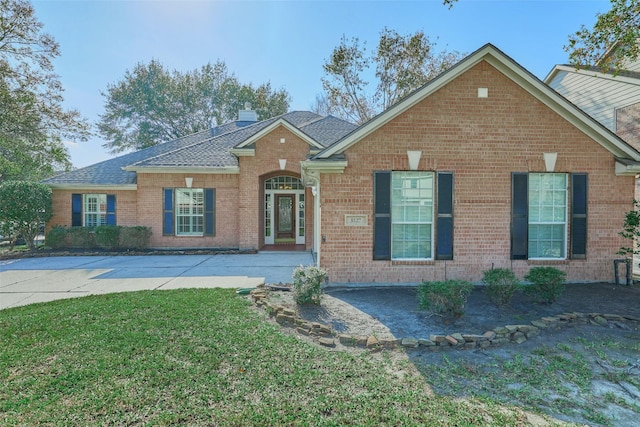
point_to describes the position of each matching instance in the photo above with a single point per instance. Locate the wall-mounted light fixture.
(314, 190)
(550, 161)
(414, 159)
(283, 164)
(188, 181)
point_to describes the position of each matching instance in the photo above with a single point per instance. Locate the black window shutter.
(111, 209)
(209, 212)
(382, 215)
(76, 210)
(519, 215)
(444, 217)
(167, 217)
(579, 184)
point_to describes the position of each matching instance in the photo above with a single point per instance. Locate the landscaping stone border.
(325, 336)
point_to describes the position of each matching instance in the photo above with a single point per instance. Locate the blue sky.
(283, 42)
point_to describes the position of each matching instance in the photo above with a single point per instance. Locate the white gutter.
(627, 168)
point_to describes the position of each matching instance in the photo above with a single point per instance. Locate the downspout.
(317, 219)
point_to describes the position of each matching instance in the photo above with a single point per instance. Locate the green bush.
(500, 285)
(547, 283)
(56, 238)
(137, 237)
(104, 236)
(108, 236)
(307, 284)
(82, 237)
(448, 297)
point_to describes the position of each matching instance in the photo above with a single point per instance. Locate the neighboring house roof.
(514, 71)
(208, 151)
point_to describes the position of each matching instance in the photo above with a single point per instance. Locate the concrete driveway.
(30, 280)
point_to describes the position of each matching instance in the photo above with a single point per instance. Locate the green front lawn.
(201, 357)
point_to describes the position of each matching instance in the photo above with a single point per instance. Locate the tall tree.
(32, 120)
(613, 41)
(153, 105)
(402, 64)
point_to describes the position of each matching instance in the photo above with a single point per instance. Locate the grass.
(563, 380)
(201, 357)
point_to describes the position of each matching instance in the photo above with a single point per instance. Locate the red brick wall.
(150, 209)
(482, 141)
(628, 124)
(268, 150)
(126, 206)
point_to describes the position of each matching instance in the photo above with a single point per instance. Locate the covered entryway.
(284, 211)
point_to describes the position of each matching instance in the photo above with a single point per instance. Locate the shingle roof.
(209, 148)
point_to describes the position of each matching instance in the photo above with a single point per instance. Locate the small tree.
(24, 207)
(631, 231)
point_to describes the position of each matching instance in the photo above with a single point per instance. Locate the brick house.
(484, 166)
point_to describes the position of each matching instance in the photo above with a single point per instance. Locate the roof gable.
(513, 71)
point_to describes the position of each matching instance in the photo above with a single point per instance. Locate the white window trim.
(431, 223)
(101, 215)
(190, 215)
(565, 224)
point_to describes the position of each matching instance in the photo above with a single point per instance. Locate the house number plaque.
(355, 220)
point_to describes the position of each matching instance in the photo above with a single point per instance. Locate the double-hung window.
(547, 215)
(411, 215)
(95, 210)
(189, 211)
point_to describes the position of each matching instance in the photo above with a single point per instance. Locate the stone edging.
(326, 336)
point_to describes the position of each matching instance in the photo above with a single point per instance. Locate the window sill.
(413, 262)
(548, 261)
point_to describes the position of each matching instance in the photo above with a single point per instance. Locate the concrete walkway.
(31, 280)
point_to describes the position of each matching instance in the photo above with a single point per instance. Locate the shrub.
(501, 284)
(307, 284)
(448, 297)
(137, 237)
(82, 237)
(547, 283)
(108, 236)
(56, 238)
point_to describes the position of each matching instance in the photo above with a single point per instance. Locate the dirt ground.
(394, 313)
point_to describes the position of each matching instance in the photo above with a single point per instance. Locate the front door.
(285, 218)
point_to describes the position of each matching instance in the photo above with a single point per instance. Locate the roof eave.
(183, 169)
(311, 169)
(625, 167)
(243, 152)
(93, 187)
(590, 73)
